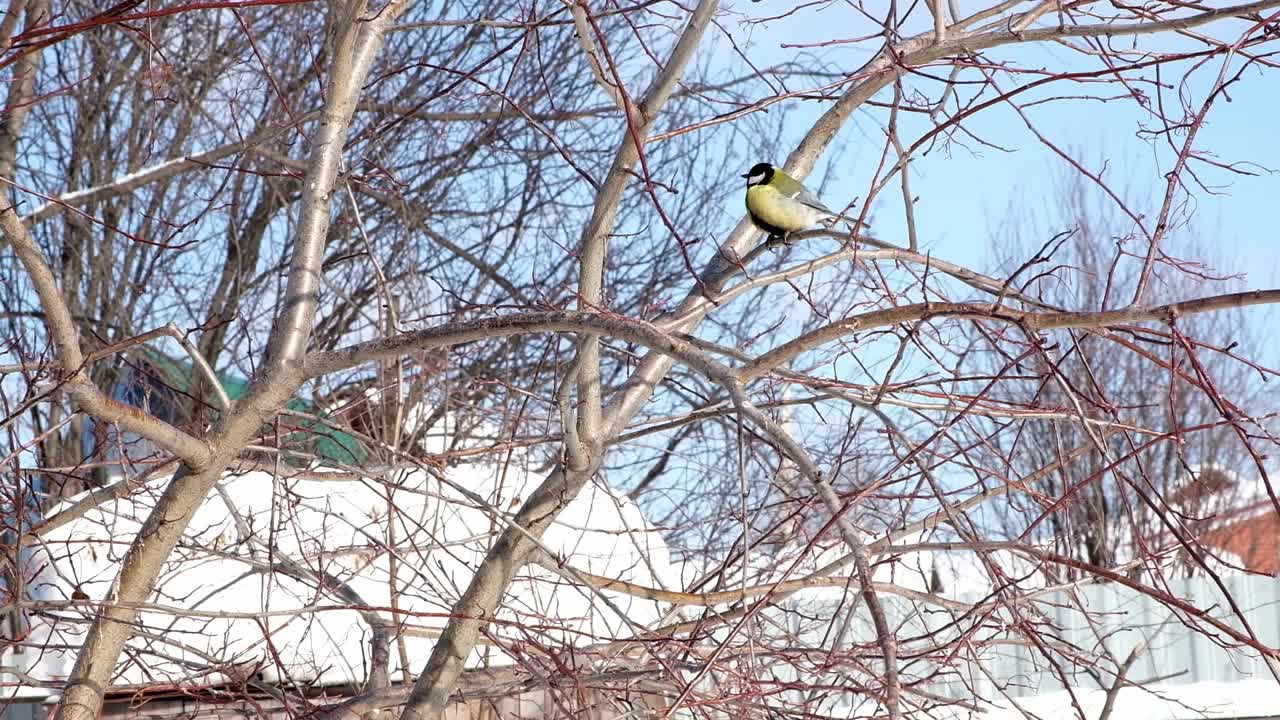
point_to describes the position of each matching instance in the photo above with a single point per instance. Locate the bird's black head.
(759, 174)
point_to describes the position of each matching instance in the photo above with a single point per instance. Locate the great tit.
(780, 205)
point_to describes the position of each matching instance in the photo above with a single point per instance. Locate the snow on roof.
(219, 605)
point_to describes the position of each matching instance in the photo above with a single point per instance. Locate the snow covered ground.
(1258, 698)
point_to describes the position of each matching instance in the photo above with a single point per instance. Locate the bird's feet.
(775, 240)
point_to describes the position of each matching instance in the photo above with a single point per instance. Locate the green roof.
(178, 375)
(323, 439)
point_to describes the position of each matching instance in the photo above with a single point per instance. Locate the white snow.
(215, 602)
(1242, 699)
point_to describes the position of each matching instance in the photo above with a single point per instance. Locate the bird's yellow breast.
(778, 210)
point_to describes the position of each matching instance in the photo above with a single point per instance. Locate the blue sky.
(964, 190)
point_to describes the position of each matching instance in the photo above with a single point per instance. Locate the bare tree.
(1108, 515)
(237, 234)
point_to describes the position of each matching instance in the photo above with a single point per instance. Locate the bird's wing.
(808, 198)
(790, 187)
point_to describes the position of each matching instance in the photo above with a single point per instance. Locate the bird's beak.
(745, 175)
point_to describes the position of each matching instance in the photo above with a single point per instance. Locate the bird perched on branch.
(780, 205)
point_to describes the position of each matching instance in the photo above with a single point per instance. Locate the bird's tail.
(851, 222)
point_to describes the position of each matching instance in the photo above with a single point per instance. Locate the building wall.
(22, 711)
(1121, 619)
(1256, 541)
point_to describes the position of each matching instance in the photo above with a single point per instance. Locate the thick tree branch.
(155, 173)
(990, 311)
(584, 449)
(357, 42)
(456, 333)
